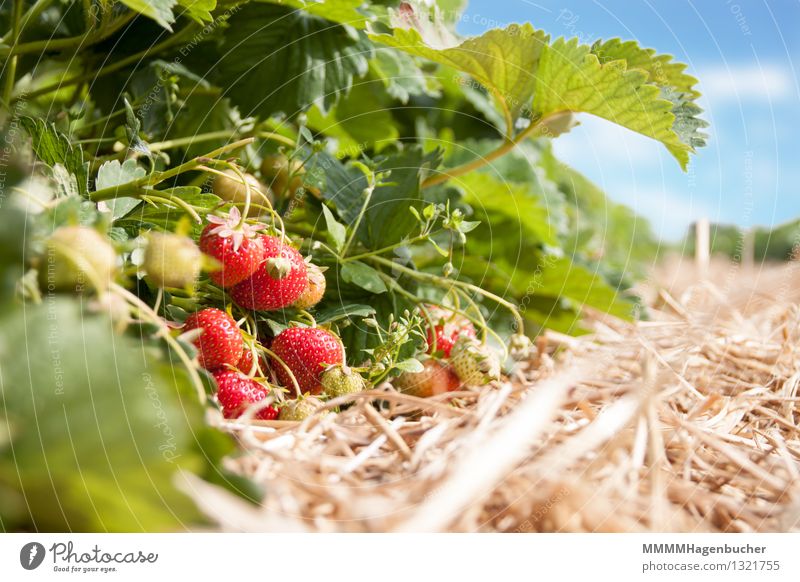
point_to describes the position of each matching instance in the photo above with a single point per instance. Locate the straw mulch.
(685, 422)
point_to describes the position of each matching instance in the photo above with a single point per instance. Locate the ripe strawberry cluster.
(304, 360)
(456, 359)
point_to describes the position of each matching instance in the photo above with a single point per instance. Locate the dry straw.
(685, 422)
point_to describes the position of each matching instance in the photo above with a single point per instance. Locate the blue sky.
(746, 54)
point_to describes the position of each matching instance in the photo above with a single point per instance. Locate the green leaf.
(132, 128)
(528, 77)
(581, 286)
(412, 365)
(505, 61)
(200, 10)
(360, 121)
(115, 174)
(158, 10)
(101, 425)
(363, 275)
(346, 311)
(336, 230)
(308, 60)
(400, 74)
(499, 203)
(53, 147)
(342, 184)
(355, 13)
(387, 219)
(199, 114)
(166, 218)
(572, 78)
(661, 69)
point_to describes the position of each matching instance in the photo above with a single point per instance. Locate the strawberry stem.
(449, 283)
(283, 364)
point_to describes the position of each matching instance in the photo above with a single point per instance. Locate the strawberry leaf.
(346, 311)
(361, 120)
(505, 61)
(115, 174)
(661, 69)
(362, 275)
(99, 431)
(200, 10)
(355, 13)
(572, 78)
(53, 147)
(158, 10)
(336, 230)
(530, 77)
(499, 203)
(387, 219)
(308, 60)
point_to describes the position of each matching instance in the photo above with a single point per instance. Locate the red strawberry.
(448, 327)
(277, 282)
(435, 378)
(220, 342)
(236, 391)
(307, 352)
(246, 363)
(236, 246)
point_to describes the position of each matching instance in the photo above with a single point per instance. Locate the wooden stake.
(701, 247)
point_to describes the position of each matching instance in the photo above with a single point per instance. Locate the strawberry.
(285, 176)
(277, 282)
(315, 287)
(435, 378)
(474, 363)
(246, 363)
(299, 409)
(446, 328)
(307, 352)
(341, 380)
(236, 391)
(220, 342)
(76, 257)
(171, 260)
(231, 189)
(235, 245)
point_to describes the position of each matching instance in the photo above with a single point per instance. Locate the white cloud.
(769, 83)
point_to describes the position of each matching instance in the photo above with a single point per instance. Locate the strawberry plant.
(231, 205)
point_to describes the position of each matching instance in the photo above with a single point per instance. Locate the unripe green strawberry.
(435, 378)
(277, 169)
(474, 363)
(231, 189)
(172, 260)
(315, 288)
(75, 258)
(300, 408)
(341, 380)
